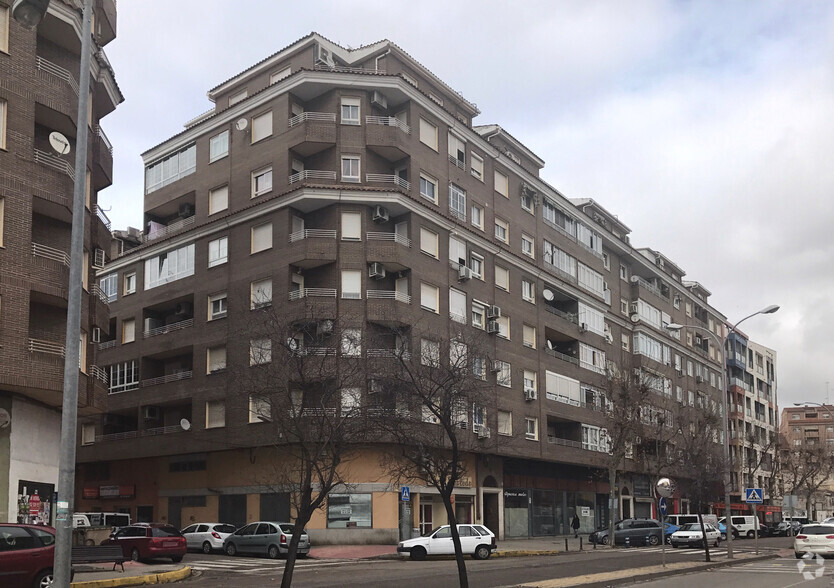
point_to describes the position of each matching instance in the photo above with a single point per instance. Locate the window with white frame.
(4, 30)
(528, 290)
(350, 111)
(479, 367)
(606, 261)
(215, 414)
(109, 286)
(457, 201)
(477, 163)
(649, 313)
(217, 306)
(531, 428)
(590, 279)
(502, 230)
(458, 354)
(260, 293)
(477, 219)
(260, 410)
(478, 315)
(351, 284)
(457, 251)
(428, 188)
(505, 422)
(457, 151)
(645, 345)
(553, 215)
(502, 277)
(428, 134)
(351, 226)
(562, 388)
(351, 401)
(128, 330)
(261, 238)
(279, 75)
(429, 352)
(218, 251)
(530, 381)
(476, 264)
(502, 184)
(130, 283)
(261, 181)
(589, 238)
(625, 342)
(594, 438)
(428, 242)
(170, 266)
(261, 126)
(88, 430)
(557, 258)
(158, 174)
(503, 373)
(592, 319)
(479, 417)
(529, 336)
(260, 351)
(2, 220)
(528, 245)
(351, 342)
(239, 97)
(591, 358)
(429, 297)
(457, 305)
(218, 199)
(123, 377)
(350, 168)
(219, 146)
(215, 359)
(503, 326)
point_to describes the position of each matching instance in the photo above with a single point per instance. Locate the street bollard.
(595, 545)
(566, 544)
(647, 540)
(580, 543)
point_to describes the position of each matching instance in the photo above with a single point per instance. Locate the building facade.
(355, 183)
(809, 426)
(39, 72)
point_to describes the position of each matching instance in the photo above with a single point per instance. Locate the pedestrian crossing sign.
(753, 495)
(405, 493)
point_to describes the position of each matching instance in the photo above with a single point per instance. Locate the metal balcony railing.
(457, 162)
(57, 71)
(312, 293)
(103, 138)
(390, 294)
(312, 116)
(153, 431)
(650, 287)
(388, 121)
(102, 217)
(562, 356)
(55, 162)
(346, 69)
(168, 229)
(396, 237)
(388, 179)
(96, 290)
(47, 252)
(46, 346)
(184, 375)
(568, 316)
(312, 234)
(168, 328)
(98, 373)
(117, 436)
(312, 174)
(389, 354)
(106, 344)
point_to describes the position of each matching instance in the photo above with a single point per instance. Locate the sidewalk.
(135, 574)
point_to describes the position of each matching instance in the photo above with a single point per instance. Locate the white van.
(679, 520)
(100, 519)
(744, 524)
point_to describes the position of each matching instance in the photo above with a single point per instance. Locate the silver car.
(207, 537)
(265, 538)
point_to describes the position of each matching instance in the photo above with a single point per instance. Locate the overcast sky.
(705, 126)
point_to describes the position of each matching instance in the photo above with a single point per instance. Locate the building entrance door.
(425, 518)
(233, 509)
(175, 511)
(491, 512)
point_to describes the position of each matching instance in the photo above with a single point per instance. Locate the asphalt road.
(221, 571)
(777, 573)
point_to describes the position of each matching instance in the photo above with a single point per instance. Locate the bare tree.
(805, 469)
(304, 380)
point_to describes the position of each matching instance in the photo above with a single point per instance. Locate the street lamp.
(722, 343)
(29, 13)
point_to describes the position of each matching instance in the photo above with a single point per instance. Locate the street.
(777, 573)
(217, 571)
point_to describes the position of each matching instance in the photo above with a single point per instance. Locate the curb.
(159, 578)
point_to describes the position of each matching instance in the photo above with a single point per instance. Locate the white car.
(475, 540)
(207, 537)
(814, 538)
(690, 534)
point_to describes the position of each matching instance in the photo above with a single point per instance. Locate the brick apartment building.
(39, 72)
(355, 181)
(811, 425)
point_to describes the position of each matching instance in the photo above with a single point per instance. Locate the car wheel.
(231, 549)
(418, 554)
(604, 540)
(481, 552)
(134, 555)
(750, 534)
(735, 534)
(206, 547)
(723, 536)
(654, 540)
(273, 552)
(43, 580)
(176, 558)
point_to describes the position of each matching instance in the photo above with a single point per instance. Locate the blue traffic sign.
(405, 494)
(753, 495)
(663, 507)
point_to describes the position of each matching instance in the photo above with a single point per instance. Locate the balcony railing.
(102, 217)
(458, 214)
(96, 290)
(389, 354)
(346, 69)
(46, 346)
(98, 373)
(312, 234)
(312, 174)
(47, 252)
(562, 356)
(560, 272)
(316, 351)
(103, 138)
(396, 237)
(57, 71)
(106, 344)
(576, 444)
(117, 436)
(650, 287)
(160, 231)
(55, 162)
(457, 162)
(184, 375)
(153, 431)
(568, 316)
(312, 293)
(388, 121)
(314, 116)
(168, 328)
(390, 294)
(388, 179)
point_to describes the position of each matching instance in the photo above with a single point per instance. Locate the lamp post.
(722, 343)
(29, 13)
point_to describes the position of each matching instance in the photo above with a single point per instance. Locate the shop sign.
(515, 494)
(465, 482)
(114, 491)
(35, 504)
(641, 486)
(90, 492)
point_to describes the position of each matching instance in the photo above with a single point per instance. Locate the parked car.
(207, 537)
(26, 554)
(475, 540)
(265, 538)
(637, 531)
(787, 528)
(668, 530)
(149, 540)
(828, 521)
(722, 528)
(814, 539)
(746, 524)
(692, 536)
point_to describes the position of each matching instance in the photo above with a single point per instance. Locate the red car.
(150, 540)
(26, 554)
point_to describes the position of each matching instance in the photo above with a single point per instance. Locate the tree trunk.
(302, 518)
(463, 579)
(704, 535)
(612, 504)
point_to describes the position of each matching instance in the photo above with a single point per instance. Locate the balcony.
(387, 136)
(103, 155)
(105, 21)
(562, 356)
(385, 307)
(165, 329)
(311, 304)
(388, 179)
(661, 292)
(46, 343)
(50, 271)
(311, 132)
(53, 161)
(58, 88)
(569, 451)
(158, 230)
(390, 249)
(388, 354)
(312, 248)
(175, 377)
(311, 175)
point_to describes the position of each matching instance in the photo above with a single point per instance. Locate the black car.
(631, 532)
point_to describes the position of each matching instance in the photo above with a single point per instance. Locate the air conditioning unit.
(98, 259)
(493, 312)
(379, 99)
(530, 394)
(492, 327)
(324, 327)
(380, 214)
(699, 379)
(183, 308)
(496, 366)
(483, 432)
(583, 327)
(376, 271)
(96, 335)
(323, 56)
(186, 209)
(150, 413)
(464, 273)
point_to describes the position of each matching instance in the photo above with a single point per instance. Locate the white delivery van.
(744, 524)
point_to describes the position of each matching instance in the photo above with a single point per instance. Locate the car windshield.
(818, 530)
(691, 527)
(428, 533)
(224, 528)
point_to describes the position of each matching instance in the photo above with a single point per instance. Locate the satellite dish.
(548, 295)
(5, 418)
(241, 124)
(185, 424)
(635, 318)
(550, 344)
(59, 143)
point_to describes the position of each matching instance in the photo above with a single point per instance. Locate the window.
(531, 428)
(504, 373)
(624, 342)
(88, 430)
(589, 239)
(478, 314)
(623, 272)
(123, 376)
(261, 126)
(429, 352)
(529, 336)
(128, 330)
(259, 410)
(351, 284)
(502, 230)
(457, 151)
(351, 226)
(218, 199)
(528, 246)
(2, 213)
(130, 283)
(477, 163)
(606, 261)
(502, 277)
(351, 401)
(350, 111)
(457, 251)
(350, 168)
(260, 293)
(217, 306)
(477, 216)
(218, 251)
(351, 342)
(530, 381)
(261, 238)
(349, 511)
(279, 75)
(503, 326)
(4, 30)
(457, 201)
(219, 146)
(428, 134)
(428, 242)
(502, 184)
(591, 358)
(158, 174)
(429, 297)
(260, 351)
(590, 280)
(428, 188)
(215, 414)
(457, 305)
(215, 359)
(261, 181)
(239, 97)
(505, 422)
(476, 264)
(528, 291)
(169, 266)
(624, 306)
(109, 286)
(557, 258)
(592, 319)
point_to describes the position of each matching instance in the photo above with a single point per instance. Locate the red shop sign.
(90, 491)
